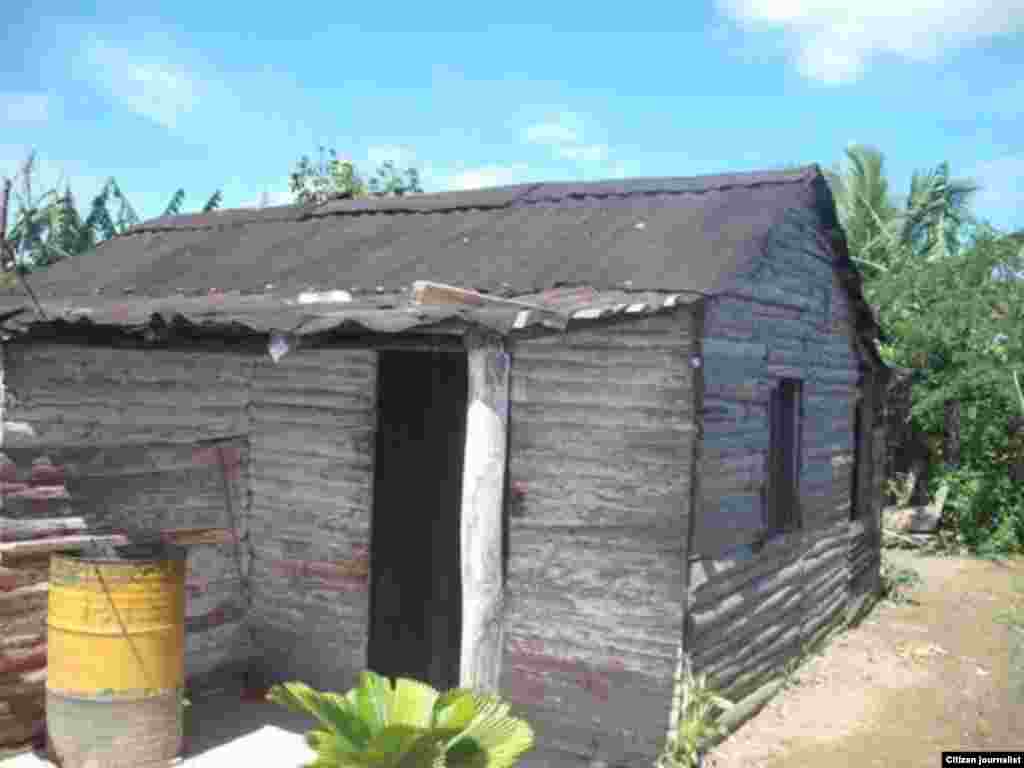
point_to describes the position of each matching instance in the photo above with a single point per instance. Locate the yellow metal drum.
(116, 660)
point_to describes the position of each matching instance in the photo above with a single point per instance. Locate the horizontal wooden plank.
(348, 444)
(725, 522)
(15, 577)
(530, 358)
(717, 576)
(20, 660)
(266, 416)
(13, 530)
(663, 514)
(10, 551)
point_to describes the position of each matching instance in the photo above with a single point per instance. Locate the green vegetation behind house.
(949, 291)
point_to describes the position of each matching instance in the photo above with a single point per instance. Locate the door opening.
(416, 586)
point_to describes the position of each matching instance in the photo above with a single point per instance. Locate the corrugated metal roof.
(386, 313)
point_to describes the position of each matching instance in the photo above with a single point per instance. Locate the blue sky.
(207, 95)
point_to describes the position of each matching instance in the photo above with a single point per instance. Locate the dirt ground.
(911, 681)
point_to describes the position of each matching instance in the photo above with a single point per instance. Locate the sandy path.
(909, 682)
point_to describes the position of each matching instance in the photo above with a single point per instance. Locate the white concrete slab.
(268, 745)
(25, 760)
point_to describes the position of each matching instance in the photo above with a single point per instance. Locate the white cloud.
(26, 107)
(564, 136)
(154, 88)
(584, 153)
(834, 40)
(1002, 189)
(488, 176)
(551, 133)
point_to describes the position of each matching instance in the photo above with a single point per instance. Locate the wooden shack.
(540, 438)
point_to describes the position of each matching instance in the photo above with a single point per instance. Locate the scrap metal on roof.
(378, 313)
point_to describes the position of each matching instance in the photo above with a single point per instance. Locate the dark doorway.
(416, 591)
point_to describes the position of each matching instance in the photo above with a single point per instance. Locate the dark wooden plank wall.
(313, 422)
(147, 440)
(866, 529)
(753, 603)
(601, 442)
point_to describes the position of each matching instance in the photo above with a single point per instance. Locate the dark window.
(858, 448)
(783, 497)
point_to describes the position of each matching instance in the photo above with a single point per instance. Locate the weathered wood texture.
(313, 423)
(159, 439)
(865, 555)
(755, 597)
(145, 440)
(24, 589)
(483, 488)
(601, 439)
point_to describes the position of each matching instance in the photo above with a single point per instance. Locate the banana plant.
(406, 724)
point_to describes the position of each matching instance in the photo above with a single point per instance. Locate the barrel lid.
(135, 551)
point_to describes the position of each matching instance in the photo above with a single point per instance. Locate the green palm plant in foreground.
(406, 724)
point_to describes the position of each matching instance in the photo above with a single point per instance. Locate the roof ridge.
(525, 198)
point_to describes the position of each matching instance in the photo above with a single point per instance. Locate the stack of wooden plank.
(35, 522)
(29, 500)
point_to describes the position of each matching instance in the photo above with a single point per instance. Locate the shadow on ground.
(215, 720)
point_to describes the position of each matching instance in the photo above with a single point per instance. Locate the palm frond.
(213, 203)
(174, 206)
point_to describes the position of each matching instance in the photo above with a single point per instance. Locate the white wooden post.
(483, 484)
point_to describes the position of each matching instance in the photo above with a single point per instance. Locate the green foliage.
(937, 209)
(949, 292)
(174, 207)
(47, 227)
(1013, 616)
(214, 202)
(331, 177)
(898, 581)
(987, 509)
(389, 181)
(41, 223)
(697, 723)
(406, 724)
(861, 192)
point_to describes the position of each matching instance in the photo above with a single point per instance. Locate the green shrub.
(406, 724)
(898, 582)
(987, 508)
(697, 726)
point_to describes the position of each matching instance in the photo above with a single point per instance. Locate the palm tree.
(881, 234)
(866, 211)
(898, 243)
(937, 208)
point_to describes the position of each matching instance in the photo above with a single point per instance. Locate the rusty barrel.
(116, 659)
